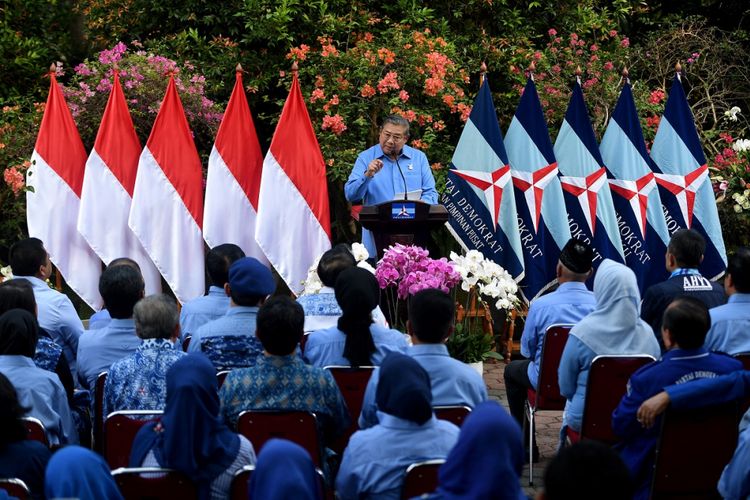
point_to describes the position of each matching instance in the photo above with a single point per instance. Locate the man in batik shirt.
(280, 380)
(138, 382)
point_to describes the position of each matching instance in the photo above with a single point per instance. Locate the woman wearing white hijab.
(614, 327)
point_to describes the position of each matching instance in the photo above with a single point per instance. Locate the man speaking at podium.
(390, 170)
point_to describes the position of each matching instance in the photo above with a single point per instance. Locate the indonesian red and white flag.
(293, 226)
(233, 181)
(108, 190)
(56, 176)
(167, 204)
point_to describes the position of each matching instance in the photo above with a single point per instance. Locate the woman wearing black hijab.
(356, 341)
(376, 459)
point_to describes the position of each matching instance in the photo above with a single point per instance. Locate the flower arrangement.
(484, 282)
(313, 285)
(406, 269)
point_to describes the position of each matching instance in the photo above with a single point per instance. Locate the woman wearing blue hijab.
(375, 461)
(75, 472)
(284, 470)
(190, 437)
(614, 327)
(487, 461)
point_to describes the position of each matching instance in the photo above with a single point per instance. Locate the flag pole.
(578, 74)
(625, 75)
(58, 277)
(530, 71)
(678, 71)
(482, 74)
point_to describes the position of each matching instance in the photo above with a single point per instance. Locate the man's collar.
(418, 349)
(216, 291)
(406, 152)
(739, 297)
(235, 310)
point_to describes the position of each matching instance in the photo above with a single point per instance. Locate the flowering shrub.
(355, 81)
(18, 127)
(144, 79)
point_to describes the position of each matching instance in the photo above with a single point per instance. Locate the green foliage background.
(505, 34)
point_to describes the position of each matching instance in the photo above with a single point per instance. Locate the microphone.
(406, 196)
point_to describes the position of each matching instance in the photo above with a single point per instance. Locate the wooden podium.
(406, 222)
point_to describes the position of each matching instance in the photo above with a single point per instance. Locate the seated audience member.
(735, 480)
(190, 437)
(356, 341)
(588, 470)
(613, 328)
(20, 457)
(55, 312)
(730, 323)
(102, 317)
(18, 294)
(430, 323)
(139, 381)
(120, 287)
(684, 328)
(215, 304)
(280, 380)
(321, 309)
(565, 306)
(37, 389)
(75, 472)
(487, 460)
(284, 471)
(375, 460)
(684, 256)
(230, 342)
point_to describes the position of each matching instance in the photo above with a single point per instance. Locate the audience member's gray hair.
(397, 120)
(155, 317)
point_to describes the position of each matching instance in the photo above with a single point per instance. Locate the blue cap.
(247, 276)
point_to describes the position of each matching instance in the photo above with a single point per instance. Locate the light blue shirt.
(58, 317)
(734, 483)
(237, 320)
(452, 382)
(41, 391)
(567, 305)
(573, 375)
(375, 461)
(99, 319)
(200, 311)
(326, 347)
(384, 185)
(98, 349)
(730, 326)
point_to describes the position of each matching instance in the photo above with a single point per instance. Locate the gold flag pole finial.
(295, 67)
(238, 68)
(578, 74)
(625, 74)
(482, 73)
(678, 70)
(530, 71)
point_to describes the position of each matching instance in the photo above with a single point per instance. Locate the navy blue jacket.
(676, 366)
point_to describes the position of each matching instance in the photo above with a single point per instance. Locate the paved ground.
(548, 425)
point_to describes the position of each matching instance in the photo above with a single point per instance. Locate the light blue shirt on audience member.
(98, 349)
(565, 306)
(200, 311)
(573, 375)
(384, 185)
(99, 319)
(326, 347)
(730, 326)
(452, 382)
(58, 317)
(42, 392)
(375, 461)
(237, 320)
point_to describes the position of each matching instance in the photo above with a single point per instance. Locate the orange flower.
(317, 94)
(387, 56)
(334, 123)
(389, 81)
(367, 90)
(298, 53)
